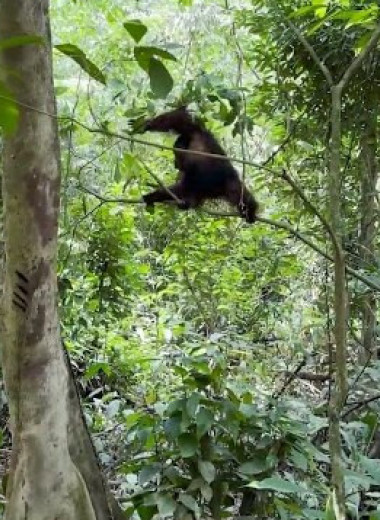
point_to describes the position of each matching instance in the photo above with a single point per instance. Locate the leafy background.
(200, 344)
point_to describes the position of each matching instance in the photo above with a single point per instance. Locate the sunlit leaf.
(277, 484)
(81, 59)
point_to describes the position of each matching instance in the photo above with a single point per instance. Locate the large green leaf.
(149, 472)
(205, 419)
(81, 59)
(254, 467)
(161, 81)
(189, 502)
(207, 470)
(192, 404)
(188, 445)
(136, 29)
(277, 484)
(166, 505)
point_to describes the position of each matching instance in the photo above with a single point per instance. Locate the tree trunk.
(368, 225)
(339, 392)
(53, 472)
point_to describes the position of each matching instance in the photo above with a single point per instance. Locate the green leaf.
(76, 54)
(166, 505)
(207, 470)
(186, 3)
(161, 81)
(187, 444)
(192, 404)
(372, 467)
(95, 368)
(254, 467)
(320, 7)
(172, 427)
(204, 420)
(17, 41)
(189, 502)
(136, 29)
(276, 484)
(9, 113)
(206, 491)
(148, 473)
(305, 10)
(143, 55)
(146, 512)
(299, 460)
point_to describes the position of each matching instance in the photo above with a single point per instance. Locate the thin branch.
(159, 181)
(94, 159)
(361, 404)
(290, 378)
(289, 136)
(309, 376)
(360, 58)
(325, 71)
(309, 205)
(102, 198)
(74, 228)
(283, 225)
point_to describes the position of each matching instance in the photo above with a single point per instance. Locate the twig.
(104, 199)
(159, 181)
(309, 376)
(325, 71)
(361, 404)
(297, 188)
(291, 377)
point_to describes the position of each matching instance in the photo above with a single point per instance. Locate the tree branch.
(159, 181)
(310, 206)
(325, 71)
(360, 58)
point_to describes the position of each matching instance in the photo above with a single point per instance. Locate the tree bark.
(368, 224)
(53, 474)
(339, 391)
